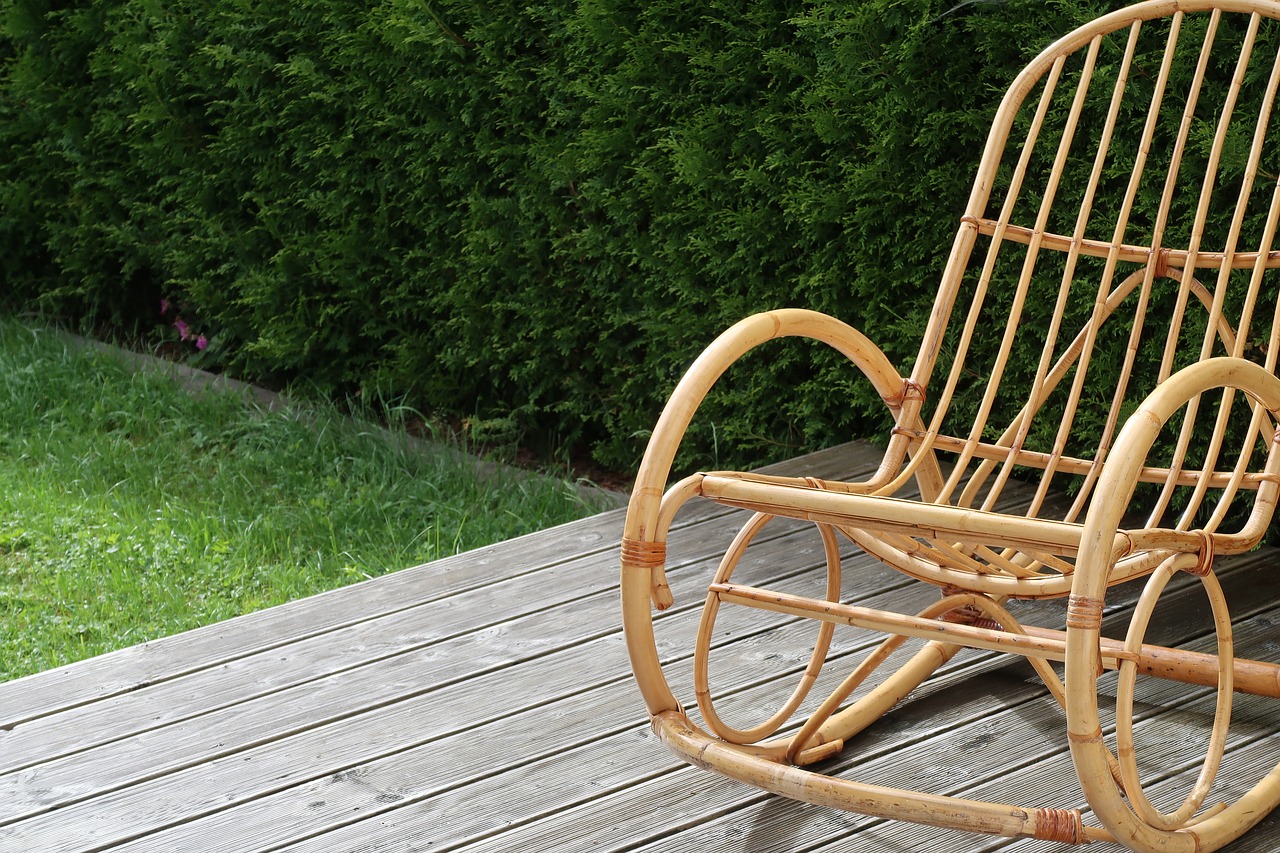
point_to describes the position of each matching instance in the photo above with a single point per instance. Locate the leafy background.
(531, 216)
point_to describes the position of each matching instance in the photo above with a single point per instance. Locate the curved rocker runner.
(1131, 172)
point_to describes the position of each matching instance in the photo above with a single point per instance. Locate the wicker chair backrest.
(1122, 225)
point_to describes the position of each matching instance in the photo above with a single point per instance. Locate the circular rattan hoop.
(702, 648)
(1127, 755)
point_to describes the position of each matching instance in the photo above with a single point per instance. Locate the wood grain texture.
(474, 728)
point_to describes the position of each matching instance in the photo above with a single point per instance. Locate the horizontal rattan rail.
(1255, 677)
(1166, 258)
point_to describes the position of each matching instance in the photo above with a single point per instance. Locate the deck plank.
(484, 662)
(147, 664)
(584, 662)
(121, 733)
(543, 758)
(483, 703)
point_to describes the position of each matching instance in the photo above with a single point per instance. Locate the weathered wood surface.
(484, 703)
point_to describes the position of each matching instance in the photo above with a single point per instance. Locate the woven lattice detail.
(1160, 264)
(1204, 564)
(910, 390)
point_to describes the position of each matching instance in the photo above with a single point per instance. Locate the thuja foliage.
(529, 213)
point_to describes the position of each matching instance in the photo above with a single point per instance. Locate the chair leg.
(830, 724)
(826, 729)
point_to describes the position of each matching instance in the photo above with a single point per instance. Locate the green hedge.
(531, 215)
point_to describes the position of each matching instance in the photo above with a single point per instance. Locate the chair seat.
(975, 550)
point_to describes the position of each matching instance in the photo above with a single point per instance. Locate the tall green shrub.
(533, 214)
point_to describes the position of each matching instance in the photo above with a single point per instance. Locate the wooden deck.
(484, 703)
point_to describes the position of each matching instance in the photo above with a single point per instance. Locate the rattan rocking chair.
(1131, 172)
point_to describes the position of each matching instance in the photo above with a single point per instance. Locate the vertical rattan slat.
(1104, 309)
(972, 320)
(1104, 284)
(1024, 280)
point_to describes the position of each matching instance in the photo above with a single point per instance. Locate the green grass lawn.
(131, 508)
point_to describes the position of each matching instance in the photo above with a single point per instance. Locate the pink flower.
(164, 306)
(184, 331)
(202, 343)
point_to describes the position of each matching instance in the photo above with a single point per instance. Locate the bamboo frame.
(1074, 145)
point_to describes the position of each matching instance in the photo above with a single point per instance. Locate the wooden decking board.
(553, 772)
(774, 824)
(418, 712)
(77, 769)
(499, 788)
(108, 762)
(692, 811)
(346, 649)
(490, 803)
(237, 731)
(148, 664)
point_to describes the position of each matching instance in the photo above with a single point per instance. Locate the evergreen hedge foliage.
(533, 215)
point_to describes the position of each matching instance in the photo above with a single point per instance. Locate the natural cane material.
(1167, 450)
